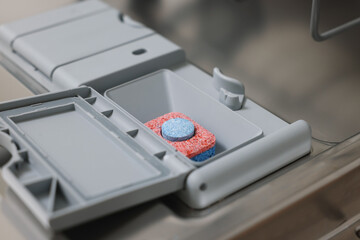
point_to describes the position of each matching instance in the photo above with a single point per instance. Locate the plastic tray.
(164, 91)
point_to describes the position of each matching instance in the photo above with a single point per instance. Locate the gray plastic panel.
(87, 43)
(79, 156)
(9, 32)
(162, 92)
(121, 64)
(65, 43)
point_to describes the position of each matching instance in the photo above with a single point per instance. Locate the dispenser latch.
(231, 90)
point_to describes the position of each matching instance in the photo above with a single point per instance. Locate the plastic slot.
(24, 155)
(23, 171)
(4, 130)
(91, 100)
(122, 123)
(41, 191)
(133, 133)
(38, 178)
(107, 113)
(60, 199)
(49, 194)
(160, 155)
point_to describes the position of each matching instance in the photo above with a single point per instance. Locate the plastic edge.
(220, 178)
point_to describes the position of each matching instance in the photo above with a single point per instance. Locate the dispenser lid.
(87, 43)
(77, 148)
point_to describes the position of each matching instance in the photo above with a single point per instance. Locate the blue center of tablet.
(177, 129)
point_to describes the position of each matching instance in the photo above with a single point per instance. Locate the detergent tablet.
(177, 129)
(186, 135)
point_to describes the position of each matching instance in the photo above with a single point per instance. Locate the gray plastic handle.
(231, 91)
(229, 84)
(234, 171)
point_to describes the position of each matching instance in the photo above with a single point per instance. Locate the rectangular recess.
(89, 156)
(164, 91)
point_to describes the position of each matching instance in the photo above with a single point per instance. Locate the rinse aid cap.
(177, 129)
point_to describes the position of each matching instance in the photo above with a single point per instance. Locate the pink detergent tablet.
(197, 144)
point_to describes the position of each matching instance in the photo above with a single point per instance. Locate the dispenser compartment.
(164, 91)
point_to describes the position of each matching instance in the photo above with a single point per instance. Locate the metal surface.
(268, 46)
(348, 230)
(325, 195)
(314, 24)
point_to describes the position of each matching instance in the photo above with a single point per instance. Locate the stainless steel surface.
(314, 24)
(266, 44)
(348, 230)
(324, 195)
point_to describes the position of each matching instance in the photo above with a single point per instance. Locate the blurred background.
(267, 45)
